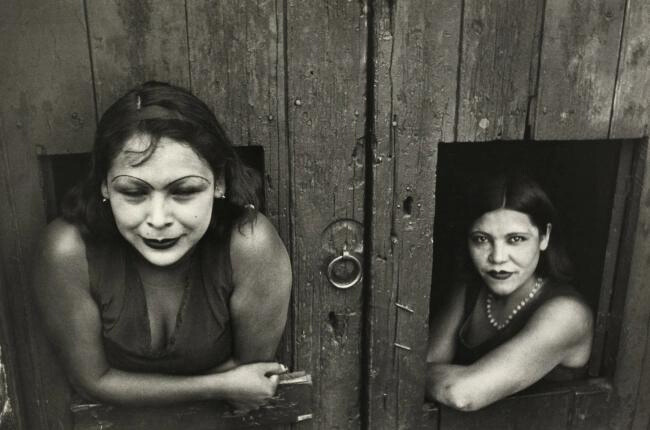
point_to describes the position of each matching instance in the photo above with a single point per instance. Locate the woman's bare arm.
(73, 323)
(444, 327)
(559, 332)
(260, 300)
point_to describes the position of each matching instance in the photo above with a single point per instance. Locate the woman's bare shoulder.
(563, 320)
(62, 248)
(257, 244)
(255, 239)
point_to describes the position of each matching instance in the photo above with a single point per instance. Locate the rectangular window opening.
(591, 186)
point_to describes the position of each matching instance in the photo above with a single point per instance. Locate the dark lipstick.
(160, 243)
(499, 274)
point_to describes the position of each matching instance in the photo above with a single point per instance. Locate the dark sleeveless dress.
(202, 337)
(467, 354)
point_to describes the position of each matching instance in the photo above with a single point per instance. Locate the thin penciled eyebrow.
(166, 186)
(515, 233)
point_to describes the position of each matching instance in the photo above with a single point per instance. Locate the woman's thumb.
(274, 368)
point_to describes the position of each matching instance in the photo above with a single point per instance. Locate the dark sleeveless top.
(202, 336)
(467, 354)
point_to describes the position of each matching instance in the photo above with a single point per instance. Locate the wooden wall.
(348, 99)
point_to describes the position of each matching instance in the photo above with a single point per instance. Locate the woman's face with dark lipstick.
(505, 247)
(162, 205)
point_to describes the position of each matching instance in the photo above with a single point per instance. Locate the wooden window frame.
(600, 383)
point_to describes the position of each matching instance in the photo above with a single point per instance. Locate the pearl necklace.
(488, 306)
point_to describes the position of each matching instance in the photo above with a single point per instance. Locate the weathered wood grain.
(326, 44)
(430, 417)
(46, 79)
(499, 50)
(578, 68)
(603, 318)
(237, 68)
(635, 329)
(631, 101)
(133, 42)
(590, 411)
(535, 412)
(630, 119)
(47, 107)
(10, 405)
(416, 60)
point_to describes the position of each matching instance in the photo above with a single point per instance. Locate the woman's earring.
(220, 196)
(104, 200)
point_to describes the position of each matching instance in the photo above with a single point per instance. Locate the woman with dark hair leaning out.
(512, 317)
(161, 282)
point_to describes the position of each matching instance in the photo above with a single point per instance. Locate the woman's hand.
(249, 386)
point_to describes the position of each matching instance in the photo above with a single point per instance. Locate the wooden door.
(344, 102)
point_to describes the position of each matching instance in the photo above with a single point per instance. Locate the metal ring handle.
(335, 279)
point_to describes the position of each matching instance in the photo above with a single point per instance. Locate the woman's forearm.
(140, 389)
(249, 385)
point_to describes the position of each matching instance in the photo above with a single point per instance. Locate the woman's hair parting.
(158, 110)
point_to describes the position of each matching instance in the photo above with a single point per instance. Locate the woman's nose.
(497, 254)
(158, 216)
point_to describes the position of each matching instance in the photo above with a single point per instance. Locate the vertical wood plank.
(499, 49)
(237, 67)
(326, 44)
(604, 321)
(631, 283)
(630, 119)
(578, 68)
(416, 60)
(136, 41)
(631, 107)
(47, 108)
(46, 75)
(10, 404)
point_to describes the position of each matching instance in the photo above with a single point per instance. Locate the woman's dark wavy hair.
(519, 192)
(158, 110)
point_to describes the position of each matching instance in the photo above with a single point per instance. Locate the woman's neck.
(172, 276)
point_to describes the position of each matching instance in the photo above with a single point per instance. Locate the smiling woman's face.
(505, 248)
(162, 206)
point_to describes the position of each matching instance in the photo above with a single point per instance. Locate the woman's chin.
(162, 257)
(500, 287)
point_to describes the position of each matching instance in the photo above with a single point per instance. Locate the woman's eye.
(184, 193)
(133, 193)
(478, 239)
(516, 239)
